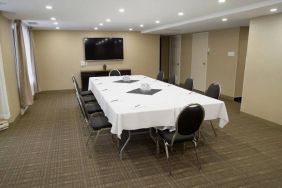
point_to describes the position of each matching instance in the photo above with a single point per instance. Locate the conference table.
(128, 107)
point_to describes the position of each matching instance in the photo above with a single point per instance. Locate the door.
(175, 57)
(199, 60)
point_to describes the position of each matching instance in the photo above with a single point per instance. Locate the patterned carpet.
(46, 148)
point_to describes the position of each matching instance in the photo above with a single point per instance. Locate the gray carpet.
(46, 148)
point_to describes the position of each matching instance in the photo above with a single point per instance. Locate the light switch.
(231, 54)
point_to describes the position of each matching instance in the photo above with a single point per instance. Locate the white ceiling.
(199, 15)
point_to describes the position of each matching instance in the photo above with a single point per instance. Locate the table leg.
(125, 144)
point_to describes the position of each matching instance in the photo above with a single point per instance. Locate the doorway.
(199, 60)
(175, 57)
(170, 56)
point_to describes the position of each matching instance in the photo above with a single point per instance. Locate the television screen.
(103, 48)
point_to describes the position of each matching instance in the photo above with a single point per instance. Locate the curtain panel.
(26, 97)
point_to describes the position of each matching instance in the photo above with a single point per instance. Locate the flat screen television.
(103, 49)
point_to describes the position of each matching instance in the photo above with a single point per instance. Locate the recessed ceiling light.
(141, 25)
(95, 28)
(57, 27)
(56, 23)
(273, 10)
(130, 29)
(224, 19)
(101, 24)
(121, 10)
(157, 22)
(53, 18)
(49, 7)
(221, 1)
(180, 13)
(108, 20)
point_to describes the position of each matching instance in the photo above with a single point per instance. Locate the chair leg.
(195, 148)
(213, 129)
(202, 136)
(157, 146)
(167, 157)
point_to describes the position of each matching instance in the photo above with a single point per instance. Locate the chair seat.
(99, 122)
(88, 98)
(93, 107)
(84, 93)
(167, 136)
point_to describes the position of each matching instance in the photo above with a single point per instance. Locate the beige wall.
(9, 67)
(186, 57)
(58, 55)
(242, 53)
(165, 55)
(262, 89)
(221, 67)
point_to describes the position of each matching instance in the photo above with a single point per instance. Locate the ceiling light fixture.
(224, 19)
(56, 23)
(180, 13)
(221, 1)
(49, 7)
(130, 29)
(108, 20)
(95, 28)
(57, 28)
(157, 22)
(141, 25)
(101, 24)
(121, 10)
(53, 18)
(273, 10)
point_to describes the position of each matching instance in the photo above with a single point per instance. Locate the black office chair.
(160, 76)
(171, 80)
(188, 84)
(97, 121)
(213, 91)
(187, 129)
(114, 72)
(86, 95)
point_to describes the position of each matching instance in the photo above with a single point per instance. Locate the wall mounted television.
(103, 49)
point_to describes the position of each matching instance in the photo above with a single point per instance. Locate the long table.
(130, 111)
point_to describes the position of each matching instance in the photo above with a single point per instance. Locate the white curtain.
(29, 58)
(4, 106)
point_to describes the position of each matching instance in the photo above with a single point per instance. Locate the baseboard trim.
(238, 99)
(56, 91)
(271, 123)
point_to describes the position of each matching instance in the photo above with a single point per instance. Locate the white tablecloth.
(127, 111)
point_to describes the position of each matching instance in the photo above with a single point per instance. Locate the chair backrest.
(188, 84)
(160, 76)
(214, 90)
(190, 119)
(171, 80)
(114, 72)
